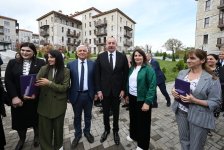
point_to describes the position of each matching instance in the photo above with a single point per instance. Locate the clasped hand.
(189, 98)
(42, 82)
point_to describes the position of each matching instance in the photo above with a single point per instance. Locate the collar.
(79, 61)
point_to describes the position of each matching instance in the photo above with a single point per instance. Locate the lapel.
(202, 82)
(106, 60)
(74, 67)
(117, 60)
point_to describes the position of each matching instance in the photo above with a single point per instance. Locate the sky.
(156, 20)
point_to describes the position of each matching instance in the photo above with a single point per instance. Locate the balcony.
(1, 30)
(101, 33)
(127, 43)
(45, 27)
(100, 23)
(44, 33)
(221, 6)
(69, 43)
(128, 28)
(100, 43)
(77, 43)
(128, 35)
(221, 24)
(77, 35)
(220, 42)
(70, 34)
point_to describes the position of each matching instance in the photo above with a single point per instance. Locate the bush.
(164, 56)
(180, 65)
(164, 70)
(68, 54)
(39, 54)
(174, 69)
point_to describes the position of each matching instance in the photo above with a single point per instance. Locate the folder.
(183, 88)
(27, 84)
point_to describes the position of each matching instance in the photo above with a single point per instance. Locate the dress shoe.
(168, 104)
(155, 105)
(36, 141)
(89, 137)
(129, 138)
(19, 145)
(104, 136)
(75, 142)
(116, 138)
(138, 148)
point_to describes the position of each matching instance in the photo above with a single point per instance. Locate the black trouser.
(163, 90)
(222, 100)
(111, 102)
(140, 123)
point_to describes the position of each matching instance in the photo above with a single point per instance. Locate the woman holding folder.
(23, 109)
(53, 80)
(194, 111)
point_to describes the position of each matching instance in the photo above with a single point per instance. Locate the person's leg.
(88, 104)
(115, 103)
(133, 117)
(198, 136)
(58, 124)
(163, 90)
(45, 133)
(36, 141)
(144, 125)
(183, 127)
(106, 113)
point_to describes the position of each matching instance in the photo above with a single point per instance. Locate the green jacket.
(53, 97)
(146, 84)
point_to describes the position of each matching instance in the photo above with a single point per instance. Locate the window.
(207, 5)
(90, 15)
(206, 23)
(112, 28)
(205, 40)
(120, 39)
(221, 18)
(62, 39)
(112, 17)
(120, 20)
(89, 41)
(85, 16)
(52, 19)
(85, 25)
(89, 24)
(89, 32)
(120, 29)
(85, 33)
(62, 29)
(46, 22)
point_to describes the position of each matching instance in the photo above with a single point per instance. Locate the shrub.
(180, 65)
(164, 56)
(39, 54)
(174, 69)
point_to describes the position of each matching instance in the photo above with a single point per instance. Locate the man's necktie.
(111, 61)
(82, 77)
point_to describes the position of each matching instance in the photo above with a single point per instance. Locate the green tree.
(173, 45)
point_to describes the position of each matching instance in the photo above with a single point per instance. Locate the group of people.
(111, 78)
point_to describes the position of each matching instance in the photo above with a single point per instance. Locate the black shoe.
(19, 145)
(89, 137)
(104, 136)
(155, 105)
(116, 138)
(75, 142)
(36, 141)
(168, 104)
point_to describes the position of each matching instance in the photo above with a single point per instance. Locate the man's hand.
(29, 97)
(100, 95)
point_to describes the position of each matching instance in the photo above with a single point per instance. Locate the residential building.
(24, 35)
(209, 34)
(62, 31)
(91, 27)
(35, 39)
(8, 33)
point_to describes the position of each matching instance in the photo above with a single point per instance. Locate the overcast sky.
(157, 20)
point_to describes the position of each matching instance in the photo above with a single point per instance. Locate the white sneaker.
(61, 148)
(129, 138)
(138, 148)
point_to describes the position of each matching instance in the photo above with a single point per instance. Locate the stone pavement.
(164, 132)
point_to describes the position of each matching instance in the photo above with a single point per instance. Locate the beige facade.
(8, 33)
(90, 26)
(24, 35)
(210, 25)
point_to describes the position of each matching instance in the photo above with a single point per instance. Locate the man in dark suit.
(111, 78)
(160, 79)
(221, 74)
(81, 93)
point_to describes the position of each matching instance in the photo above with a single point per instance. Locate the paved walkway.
(164, 133)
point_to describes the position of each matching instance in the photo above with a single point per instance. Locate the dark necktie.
(111, 61)
(82, 77)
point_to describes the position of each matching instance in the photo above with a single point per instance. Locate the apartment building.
(209, 34)
(62, 31)
(35, 39)
(8, 33)
(23, 35)
(90, 27)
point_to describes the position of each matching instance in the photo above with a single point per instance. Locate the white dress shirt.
(85, 86)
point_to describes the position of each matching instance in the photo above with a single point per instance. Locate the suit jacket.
(53, 97)
(111, 80)
(73, 90)
(207, 89)
(160, 77)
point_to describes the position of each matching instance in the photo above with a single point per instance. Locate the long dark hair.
(31, 46)
(141, 52)
(59, 66)
(202, 55)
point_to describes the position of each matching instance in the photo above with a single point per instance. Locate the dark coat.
(73, 91)
(108, 79)
(25, 116)
(2, 113)
(160, 77)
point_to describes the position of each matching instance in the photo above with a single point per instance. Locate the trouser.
(140, 123)
(51, 130)
(163, 90)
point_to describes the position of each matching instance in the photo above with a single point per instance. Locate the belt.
(83, 91)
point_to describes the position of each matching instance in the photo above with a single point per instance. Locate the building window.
(52, 19)
(90, 15)
(85, 33)
(205, 40)
(72, 24)
(207, 5)
(62, 39)
(46, 22)
(112, 28)
(89, 24)
(112, 17)
(90, 32)
(120, 20)
(120, 39)
(89, 41)
(120, 29)
(221, 18)
(206, 23)
(85, 25)
(62, 29)
(85, 16)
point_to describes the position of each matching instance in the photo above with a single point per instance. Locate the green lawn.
(169, 65)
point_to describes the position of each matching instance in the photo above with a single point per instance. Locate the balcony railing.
(221, 24)
(221, 6)
(127, 43)
(77, 35)
(220, 42)
(70, 34)
(101, 33)
(100, 23)
(100, 43)
(77, 43)
(44, 33)
(70, 43)
(44, 27)
(1, 30)
(128, 28)
(128, 34)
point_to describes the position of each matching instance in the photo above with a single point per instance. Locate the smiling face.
(211, 61)
(26, 53)
(51, 60)
(82, 52)
(138, 58)
(111, 44)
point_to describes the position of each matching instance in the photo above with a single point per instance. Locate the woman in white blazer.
(194, 112)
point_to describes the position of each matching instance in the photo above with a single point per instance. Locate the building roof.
(3, 17)
(25, 30)
(34, 34)
(86, 10)
(60, 14)
(114, 10)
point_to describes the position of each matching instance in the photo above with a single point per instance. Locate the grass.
(169, 65)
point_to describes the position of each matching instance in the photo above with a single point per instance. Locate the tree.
(173, 45)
